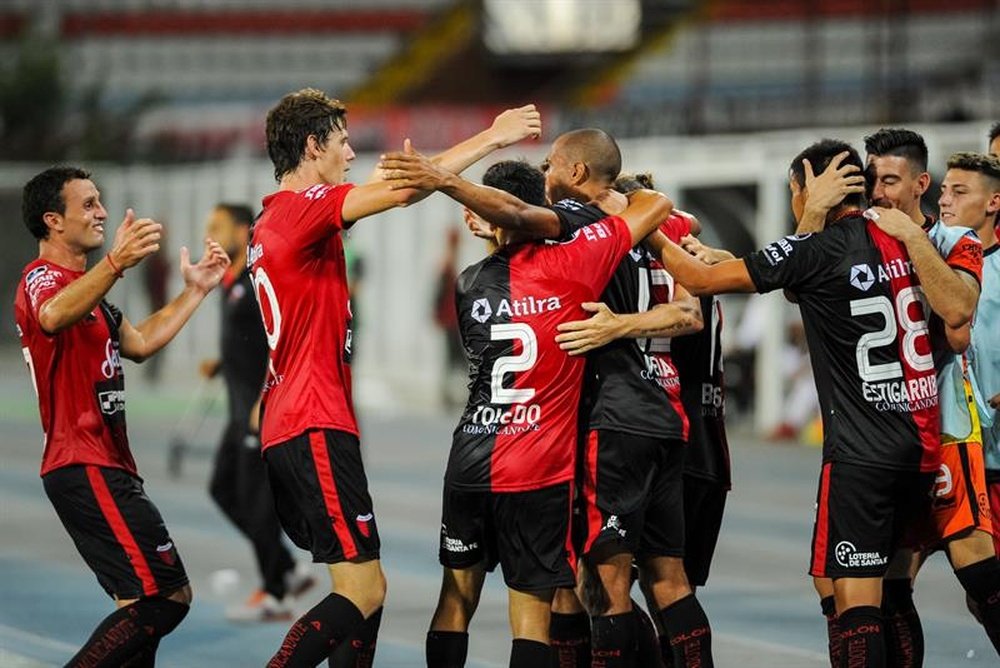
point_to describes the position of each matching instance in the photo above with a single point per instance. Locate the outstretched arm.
(697, 277)
(141, 341)
(508, 128)
(134, 240)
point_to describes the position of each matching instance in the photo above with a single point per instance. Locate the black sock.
(446, 649)
(982, 582)
(360, 651)
(666, 652)
(904, 635)
(128, 631)
(862, 637)
(829, 606)
(647, 653)
(313, 635)
(613, 641)
(528, 653)
(690, 635)
(146, 658)
(569, 636)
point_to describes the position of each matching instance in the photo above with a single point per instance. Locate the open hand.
(409, 169)
(515, 125)
(581, 336)
(836, 182)
(893, 222)
(210, 269)
(610, 202)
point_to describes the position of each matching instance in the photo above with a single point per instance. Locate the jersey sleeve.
(676, 226)
(573, 215)
(793, 263)
(598, 247)
(41, 284)
(320, 212)
(967, 255)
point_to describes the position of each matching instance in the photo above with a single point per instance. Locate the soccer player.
(509, 481)
(238, 473)
(309, 433)
(970, 198)
(73, 341)
(869, 344)
(633, 399)
(986, 362)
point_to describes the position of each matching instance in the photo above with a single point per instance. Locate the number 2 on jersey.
(517, 331)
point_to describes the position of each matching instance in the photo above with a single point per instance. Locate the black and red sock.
(862, 637)
(446, 649)
(686, 625)
(359, 651)
(130, 631)
(904, 634)
(982, 582)
(647, 644)
(314, 636)
(613, 641)
(569, 636)
(829, 606)
(528, 653)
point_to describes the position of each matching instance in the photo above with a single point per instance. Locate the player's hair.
(44, 193)
(899, 142)
(518, 178)
(241, 214)
(297, 116)
(819, 155)
(596, 149)
(983, 163)
(994, 131)
(626, 183)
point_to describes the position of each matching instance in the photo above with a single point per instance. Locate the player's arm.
(378, 194)
(958, 338)
(700, 278)
(139, 342)
(679, 317)
(827, 190)
(704, 253)
(134, 240)
(951, 294)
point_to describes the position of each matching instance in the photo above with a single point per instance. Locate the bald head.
(594, 148)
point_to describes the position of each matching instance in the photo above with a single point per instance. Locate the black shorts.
(117, 530)
(321, 496)
(527, 533)
(633, 496)
(862, 515)
(704, 505)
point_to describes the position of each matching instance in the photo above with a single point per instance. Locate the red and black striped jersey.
(77, 374)
(866, 324)
(519, 429)
(631, 387)
(296, 260)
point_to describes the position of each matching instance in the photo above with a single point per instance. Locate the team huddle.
(591, 454)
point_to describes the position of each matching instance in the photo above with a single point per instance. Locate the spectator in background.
(446, 318)
(155, 278)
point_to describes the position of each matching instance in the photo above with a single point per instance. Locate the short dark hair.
(241, 214)
(994, 131)
(626, 183)
(983, 163)
(899, 142)
(518, 178)
(297, 116)
(597, 149)
(819, 155)
(44, 193)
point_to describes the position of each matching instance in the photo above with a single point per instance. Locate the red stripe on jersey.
(113, 516)
(821, 538)
(331, 499)
(590, 491)
(927, 420)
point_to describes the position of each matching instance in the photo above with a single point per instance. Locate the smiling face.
(967, 199)
(81, 226)
(896, 185)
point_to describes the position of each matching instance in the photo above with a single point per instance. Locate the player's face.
(895, 185)
(558, 174)
(798, 198)
(223, 230)
(333, 160)
(967, 199)
(82, 225)
(995, 147)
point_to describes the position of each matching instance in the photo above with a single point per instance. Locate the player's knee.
(184, 595)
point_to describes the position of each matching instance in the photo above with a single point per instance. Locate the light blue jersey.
(958, 421)
(984, 355)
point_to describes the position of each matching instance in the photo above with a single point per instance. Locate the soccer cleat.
(299, 580)
(259, 607)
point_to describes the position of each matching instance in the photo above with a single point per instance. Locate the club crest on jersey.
(862, 277)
